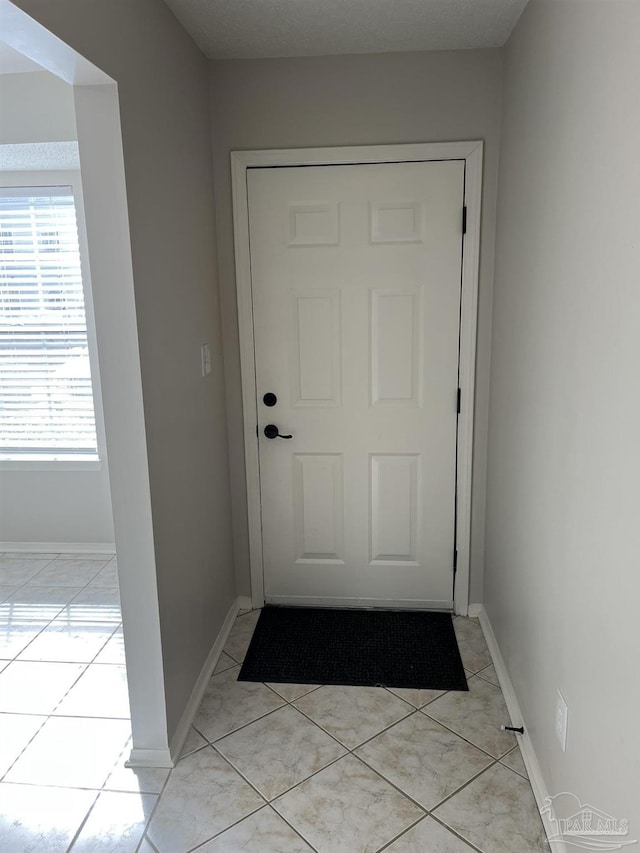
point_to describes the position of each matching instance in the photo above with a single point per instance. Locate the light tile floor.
(266, 768)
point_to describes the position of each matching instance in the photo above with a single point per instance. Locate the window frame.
(65, 462)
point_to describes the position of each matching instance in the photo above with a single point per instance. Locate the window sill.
(68, 462)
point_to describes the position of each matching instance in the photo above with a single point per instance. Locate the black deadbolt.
(269, 399)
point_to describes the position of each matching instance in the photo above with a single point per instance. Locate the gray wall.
(561, 571)
(163, 88)
(48, 506)
(36, 107)
(354, 100)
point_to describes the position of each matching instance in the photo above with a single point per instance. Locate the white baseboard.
(149, 758)
(245, 602)
(474, 610)
(182, 729)
(540, 790)
(59, 547)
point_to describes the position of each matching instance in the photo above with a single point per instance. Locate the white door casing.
(362, 264)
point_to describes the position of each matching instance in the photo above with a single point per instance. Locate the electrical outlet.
(562, 719)
(205, 359)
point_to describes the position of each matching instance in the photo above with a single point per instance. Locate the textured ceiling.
(36, 156)
(243, 29)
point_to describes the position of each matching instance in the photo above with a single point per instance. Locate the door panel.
(356, 303)
(396, 347)
(318, 501)
(394, 508)
(315, 352)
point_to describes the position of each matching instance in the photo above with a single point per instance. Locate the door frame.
(471, 152)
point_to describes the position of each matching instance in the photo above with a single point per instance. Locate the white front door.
(356, 275)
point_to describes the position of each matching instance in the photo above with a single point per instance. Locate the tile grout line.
(146, 838)
(48, 715)
(28, 584)
(414, 708)
(44, 627)
(309, 719)
(85, 665)
(268, 803)
(291, 826)
(155, 805)
(430, 811)
(239, 728)
(393, 785)
(51, 714)
(131, 793)
(31, 739)
(83, 822)
(401, 834)
(246, 817)
(455, 832)
(429, 816)
(353, 748)
(493, 759)
(248, 781)
(78, 662)
(97, 789)
(67, 787)
(313, 689)
(467, 783)
(501, 761)
(466, 739)
(291, 702)
(390, 726)
(73, 663)
(264, 804)
(349, 751)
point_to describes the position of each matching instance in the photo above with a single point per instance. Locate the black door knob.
(272, 431)
(269, 399)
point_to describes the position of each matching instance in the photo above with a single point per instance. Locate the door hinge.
(464, 219)
(459, 400)
(455, 561)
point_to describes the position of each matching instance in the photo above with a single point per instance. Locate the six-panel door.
(356, 298)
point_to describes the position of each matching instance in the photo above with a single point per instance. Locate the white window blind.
(46, 397)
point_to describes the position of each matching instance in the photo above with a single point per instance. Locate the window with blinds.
(46, 396)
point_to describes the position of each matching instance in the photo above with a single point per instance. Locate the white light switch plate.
(562, 719)
(205, 358)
